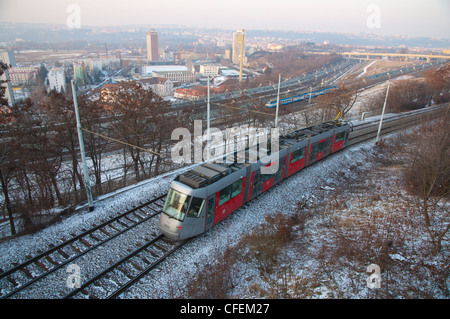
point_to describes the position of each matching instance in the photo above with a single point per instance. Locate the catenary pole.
(278, 100)
(87, 182)
(208, 128)
(382, 114)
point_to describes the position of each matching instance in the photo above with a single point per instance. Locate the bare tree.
(338, 101)
(91, 113)
(439, 81)
(404, 95)
(6, 149)
(428, 175)
(59, 111)
(141, 120)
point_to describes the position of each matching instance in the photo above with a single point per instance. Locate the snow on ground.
(184, 264)
(179, 269)
(365, 69)
(283, 198)
(171, 277)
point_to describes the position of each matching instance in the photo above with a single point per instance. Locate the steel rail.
(74, 239)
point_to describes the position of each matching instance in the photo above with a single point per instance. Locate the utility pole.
(87, 181)
(278, 100)
(208, 128)
(382, 114)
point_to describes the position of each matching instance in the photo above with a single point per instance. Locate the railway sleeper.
(85, 242)
(153, 254)
(161, 248)
(78, 250)
(105, 232)
(63, 253)
(128, 218)
(136, 265)
(92, 296)
(112, 282)
(157, 208)
(125, 271)
(158, 204)
(144, 212)
(12, 281)
(145, 260)
(167, 240)
(84, 292)
(122, 223)
(41, 265)
(94, 237)
(138, 216)
(113, 227)
(27, 272)
(51, 260)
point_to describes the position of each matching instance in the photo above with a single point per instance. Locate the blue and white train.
(300, 97)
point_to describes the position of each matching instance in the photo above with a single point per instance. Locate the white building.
(149, 69)
(176, 76)
(23, 75)
(161, 86)
(57, 80)
(95, 65)
(208, 69)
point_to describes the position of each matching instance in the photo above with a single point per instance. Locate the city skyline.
(400, 17)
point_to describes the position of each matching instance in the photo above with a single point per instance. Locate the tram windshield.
(176, 204)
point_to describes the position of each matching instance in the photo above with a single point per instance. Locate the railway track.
(59, 255)
(368, 129)
(117, 278)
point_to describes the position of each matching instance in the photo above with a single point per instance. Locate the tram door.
(210, 211)
(257, 184)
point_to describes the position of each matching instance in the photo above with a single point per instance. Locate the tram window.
(176, 204)
(225, 195)
(236, 188)
(340, 136)
(294, 156)
(265, 177)
(324, 146)
(196, 207)
(298, 155)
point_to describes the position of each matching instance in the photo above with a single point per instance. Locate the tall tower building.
(8, 57)
(152, 45)
(238, 42)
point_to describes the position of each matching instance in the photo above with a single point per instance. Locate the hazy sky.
(428, 18)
